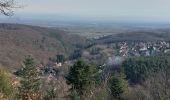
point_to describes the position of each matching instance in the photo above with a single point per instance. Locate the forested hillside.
(17, 41)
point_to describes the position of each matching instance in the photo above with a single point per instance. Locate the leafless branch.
(7, 7)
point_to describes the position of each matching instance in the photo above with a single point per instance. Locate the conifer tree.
(30, 83)
(119, 86)
(7, 90)
(81, 76)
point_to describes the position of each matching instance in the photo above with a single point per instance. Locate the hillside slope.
(139, 35)
(17, 41)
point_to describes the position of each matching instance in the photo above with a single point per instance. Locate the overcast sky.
(137, 9)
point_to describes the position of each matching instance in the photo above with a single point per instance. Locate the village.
(125, 49)
(143, 48)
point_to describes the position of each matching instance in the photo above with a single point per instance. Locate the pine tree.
(119, 86)
(81, 76)
(30, 83)
(7, 90)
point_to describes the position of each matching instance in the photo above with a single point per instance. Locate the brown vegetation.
(17, 41)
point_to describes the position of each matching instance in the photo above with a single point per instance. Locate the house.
(167, 50)
(58, 64)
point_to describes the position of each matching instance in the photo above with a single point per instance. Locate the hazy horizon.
(94, 10)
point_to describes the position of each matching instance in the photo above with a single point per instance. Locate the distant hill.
(137, 35)
(17, 41)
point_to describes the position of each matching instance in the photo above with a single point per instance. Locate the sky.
(153, 10)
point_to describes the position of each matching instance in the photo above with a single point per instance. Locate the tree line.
(82, 78)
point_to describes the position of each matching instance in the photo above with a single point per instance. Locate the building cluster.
(143, 48)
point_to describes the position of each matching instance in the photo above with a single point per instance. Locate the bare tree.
(7, 7)
(156, 87)
(159, 85)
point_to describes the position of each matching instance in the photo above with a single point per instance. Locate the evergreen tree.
(7, 90)
(74, 95)
(81, 77)
(30, 83)
(51, 92)
(119, 85)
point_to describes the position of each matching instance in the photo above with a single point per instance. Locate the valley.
(107, 50)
